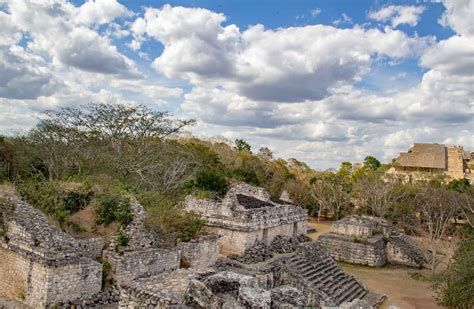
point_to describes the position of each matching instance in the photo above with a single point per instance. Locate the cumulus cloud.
(458, 16)
(282, 65)
(100, 12)
(24, 76)
(52, 29)
(398, 14)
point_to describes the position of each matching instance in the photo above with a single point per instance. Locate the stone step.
(338, 283)
(347, 294)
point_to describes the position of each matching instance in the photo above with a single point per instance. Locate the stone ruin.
(374, 242)
(247, 215)
(46, 267)
(41, 265)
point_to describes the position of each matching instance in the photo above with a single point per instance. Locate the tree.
(125, 141)
(345, 170)
(437, 208)
(457, 290)
(376, 197)
(242, 145)
(371, 163)
(332, 193)
(265, 153)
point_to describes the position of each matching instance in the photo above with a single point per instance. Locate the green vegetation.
(456, 285)
(94, 158)
(113, 207)
(6, 209)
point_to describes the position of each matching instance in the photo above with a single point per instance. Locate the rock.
(283, 244)
(229, 282)
(251, 297)
(258, 253)
(286, 296)
(199, 296)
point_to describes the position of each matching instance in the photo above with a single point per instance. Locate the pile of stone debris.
(99, 300)
(256, 254)
(280, 245)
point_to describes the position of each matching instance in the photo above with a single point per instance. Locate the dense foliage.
(457, 283)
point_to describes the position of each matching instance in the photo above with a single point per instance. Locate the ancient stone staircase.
(326, 276)
(410, 248)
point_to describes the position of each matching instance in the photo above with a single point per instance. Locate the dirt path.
(401, 289)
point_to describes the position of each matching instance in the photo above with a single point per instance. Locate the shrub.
(113, 207)
(247, 175)
(52, 198)
(121, 240)
(457, 283)
(6, 210)
(211, 181)
(173, 224)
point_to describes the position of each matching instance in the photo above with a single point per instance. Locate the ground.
(396, 283)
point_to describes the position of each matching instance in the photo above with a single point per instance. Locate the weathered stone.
(255, 298)
(372, 241)
(40, 264)
(229, 282)
(247, 215)
(287, 297)
(199, 296)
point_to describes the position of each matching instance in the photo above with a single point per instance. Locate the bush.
(121, 241)
(247, 175)
(457, 283)
(112, 207)
(172, 223)
(211, 181)
(6, 210)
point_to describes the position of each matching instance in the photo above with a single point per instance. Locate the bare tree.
(437, 208)
(377, 196)
(128, 141)
(332, 193)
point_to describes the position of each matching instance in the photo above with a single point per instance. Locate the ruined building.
(41, 265)
(374, 242)
(248, 214)
(423, 161)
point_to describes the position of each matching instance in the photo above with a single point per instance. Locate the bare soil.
(395, 282)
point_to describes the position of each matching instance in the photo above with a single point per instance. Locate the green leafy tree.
(371, 163)
(242, 145)
(457, 282)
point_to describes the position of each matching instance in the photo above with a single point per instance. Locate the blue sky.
(321, 81)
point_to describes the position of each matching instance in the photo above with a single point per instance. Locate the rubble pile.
(256, 254)
(284, 244)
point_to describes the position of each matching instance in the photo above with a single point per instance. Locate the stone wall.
(41, 265)
(92, 247)
(455, 162)
(131, 265)
(38, 284)
(369, 251)
(202, 252)
(235, 241)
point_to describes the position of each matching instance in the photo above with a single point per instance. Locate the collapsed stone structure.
(248, 214)
(374, 242)
(44, 266)
(424, 160)
(41, 265)
(306, 277)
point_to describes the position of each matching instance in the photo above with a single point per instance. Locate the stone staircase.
(410, 248)
(325, 275)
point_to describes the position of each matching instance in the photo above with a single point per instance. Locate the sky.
(320, 81)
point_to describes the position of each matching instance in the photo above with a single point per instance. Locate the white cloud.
(284, 65)
(100, 12)
(52, 30)
(459, 16)
(398, 14)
